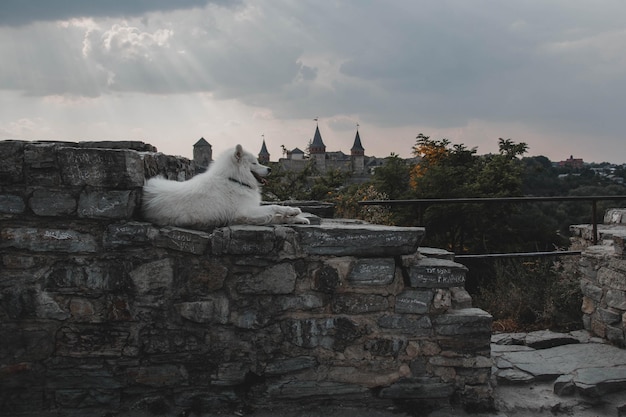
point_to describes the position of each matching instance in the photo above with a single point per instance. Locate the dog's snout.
(269, 170)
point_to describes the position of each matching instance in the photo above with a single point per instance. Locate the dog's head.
(247, 161)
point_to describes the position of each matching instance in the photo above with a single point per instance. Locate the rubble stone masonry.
(102, 312)
(603, 276)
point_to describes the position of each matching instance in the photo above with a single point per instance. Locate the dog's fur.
(227, 193)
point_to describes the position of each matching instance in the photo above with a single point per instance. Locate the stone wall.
(101, 312)
(603, 276)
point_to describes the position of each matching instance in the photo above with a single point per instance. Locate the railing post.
(594, 221)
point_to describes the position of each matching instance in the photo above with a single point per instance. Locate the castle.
(296, 160)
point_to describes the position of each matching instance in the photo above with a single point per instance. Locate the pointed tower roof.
(263, 150)
(317, 139)
(201, 142)
(357, 146)
(317, 146)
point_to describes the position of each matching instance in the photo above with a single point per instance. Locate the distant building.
(356, 163)
(264, 155)
(572, 162)
(202, 154)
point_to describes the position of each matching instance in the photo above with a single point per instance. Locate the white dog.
(227, 193)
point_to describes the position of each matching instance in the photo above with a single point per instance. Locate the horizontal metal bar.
(519, 254)
(490, 200)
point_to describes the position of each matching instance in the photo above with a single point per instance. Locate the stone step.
(436, 273)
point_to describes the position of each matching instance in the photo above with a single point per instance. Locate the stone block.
(386, 346)
(112, 204)
(301, 302)
(359, 240)
(418, 388)
(412, 301)
(94, 278)
(326, 279)
(411, 325)
(166, 375)
(616, 299)
(47, 240)
(359, 303)
(334, 333)
(245, 240)
(436, 273)
(83, 341)
(462, 322)
(294, 390)
(611, 278)
(153, 277)
(47, 202)
(121, 169)
(184, 240)
(609, 316)
(276, 279)
(130, 234)
(11, 163)
(214, 310)
(11, 204)
(460, 298)
(87, 398)
(372, 271)
(290, 365)
(25, 343)
(589, 289)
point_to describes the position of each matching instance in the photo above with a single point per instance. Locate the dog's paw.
(301, 220)
(291, 211)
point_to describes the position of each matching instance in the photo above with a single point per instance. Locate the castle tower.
(357, 154)
(264, 155)
(202, 154)
(317, 149)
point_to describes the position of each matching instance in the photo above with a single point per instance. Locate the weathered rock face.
(102, 311)
(603, 276)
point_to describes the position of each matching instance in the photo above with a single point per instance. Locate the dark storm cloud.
(21, 12)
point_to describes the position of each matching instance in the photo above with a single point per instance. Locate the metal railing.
(424, 202)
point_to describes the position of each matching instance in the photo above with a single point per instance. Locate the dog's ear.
(238, 153)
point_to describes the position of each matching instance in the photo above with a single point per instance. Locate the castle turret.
(357, 154)
(317, 149)
(202, 154)
(264, 155)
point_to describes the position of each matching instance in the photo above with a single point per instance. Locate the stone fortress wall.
(603, 276)
(102, 312)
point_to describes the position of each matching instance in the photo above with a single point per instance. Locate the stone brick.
(11, 163)
(612, 279)
(373, 271)
(52, 203)
(417, 389)
(112, 204)
(44, 240)
(616, 299)
(101, 167)
(131, 233)
(214, 310)
(436, 273)
(359, 303)
(411, 301)
(460, 322)
(414, 325)
(290, 365)
(184, 240)
(359, 240)
(386, 346)
(153, 277)
(11, 204)
(276, 279)
(332, 333)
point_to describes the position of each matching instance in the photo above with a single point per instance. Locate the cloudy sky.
(551, 73)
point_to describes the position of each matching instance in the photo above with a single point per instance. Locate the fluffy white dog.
(227, 193)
